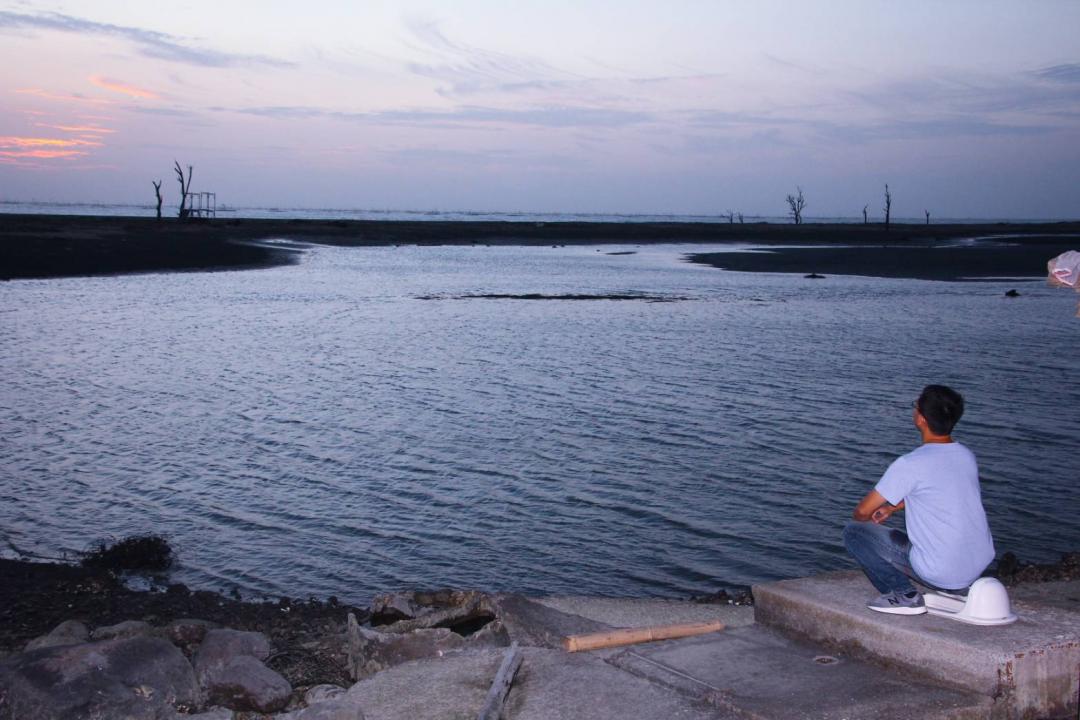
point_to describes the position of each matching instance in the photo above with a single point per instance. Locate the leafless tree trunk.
(888, 205)
(730, 217)
(865, 219)
(157, 191)
(927, 216)
(740, 216)
(796, 203)
(185, 186)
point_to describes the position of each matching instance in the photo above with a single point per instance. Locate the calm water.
(319, 429)
(231, 211)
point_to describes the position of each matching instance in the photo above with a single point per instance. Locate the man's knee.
(855, 530)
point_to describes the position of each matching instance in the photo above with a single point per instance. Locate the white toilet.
(987, 603)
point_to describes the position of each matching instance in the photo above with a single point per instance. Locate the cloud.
(149, 43)
(980, 95)
(82, 129)
(67, 98)
(937, 128)
(10, 141)
(551, 117)
(1065, 73)
(467, 69)
(123, 88)
(41, 154)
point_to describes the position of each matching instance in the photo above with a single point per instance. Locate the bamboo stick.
(632, 636)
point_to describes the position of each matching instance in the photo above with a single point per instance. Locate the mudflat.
(40, 246)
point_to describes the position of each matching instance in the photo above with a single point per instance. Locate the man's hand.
(875, 508)
(882, 513)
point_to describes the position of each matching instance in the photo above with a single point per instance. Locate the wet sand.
(1026, 259)
(39, 246)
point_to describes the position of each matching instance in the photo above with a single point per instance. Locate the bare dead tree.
(730, 217)
(888, 205)
(740, 216)
(157, 191)
(185, 186)
(927, 216)
(865, 219)
(796, 203)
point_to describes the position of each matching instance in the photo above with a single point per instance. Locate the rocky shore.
(39, 246)
(75, 642)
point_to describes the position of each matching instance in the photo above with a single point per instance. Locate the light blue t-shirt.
(946, 522)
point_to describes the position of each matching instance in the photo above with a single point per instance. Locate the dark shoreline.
(36, 596)
(50, 246)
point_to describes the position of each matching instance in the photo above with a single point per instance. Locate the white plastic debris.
(1064, 271)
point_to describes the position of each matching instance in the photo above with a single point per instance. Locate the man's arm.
(874, 507)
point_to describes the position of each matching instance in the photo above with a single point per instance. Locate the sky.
(966, 108)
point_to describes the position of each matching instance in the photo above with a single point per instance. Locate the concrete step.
(646, 612)
(1030, 668)
(756, 673)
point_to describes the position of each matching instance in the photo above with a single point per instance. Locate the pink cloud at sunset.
(24, 142)
(123, 88)
(41, 154)
(83, 129)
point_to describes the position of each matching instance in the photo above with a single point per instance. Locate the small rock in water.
(814, 276)
(1012, 293)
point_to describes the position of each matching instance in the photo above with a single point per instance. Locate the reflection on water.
(321, 429)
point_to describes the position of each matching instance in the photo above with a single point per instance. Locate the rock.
(340, 708)
(531, 624)
(391, 607)
(322, 693)
(187, 633)
(395, 607)
(464, 612)
(133, 678)
(219, 713)
(126, 629)
(69, 632)
(220, 646)
(493, 634)
(244, 683)
(371, 651)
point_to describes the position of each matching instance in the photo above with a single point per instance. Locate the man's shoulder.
(938, 454)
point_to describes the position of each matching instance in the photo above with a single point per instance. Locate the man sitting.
(947, 544)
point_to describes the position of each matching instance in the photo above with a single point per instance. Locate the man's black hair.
(942, 407)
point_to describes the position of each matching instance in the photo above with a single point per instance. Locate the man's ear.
(920, 421)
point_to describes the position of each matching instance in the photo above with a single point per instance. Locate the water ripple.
(318, 429)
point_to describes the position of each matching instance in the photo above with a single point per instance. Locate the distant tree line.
(797, 203)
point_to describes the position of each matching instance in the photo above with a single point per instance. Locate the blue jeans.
(883, 553)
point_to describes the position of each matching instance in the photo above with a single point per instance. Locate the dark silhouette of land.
(40, 246)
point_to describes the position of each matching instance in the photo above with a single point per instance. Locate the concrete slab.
(638, 612)
(453, 686)
(554, 685)
(551, 685)
(530, 623)
(757, 673)
(1031, 668)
